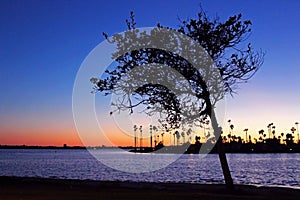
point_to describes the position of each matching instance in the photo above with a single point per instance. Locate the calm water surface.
(261, 169)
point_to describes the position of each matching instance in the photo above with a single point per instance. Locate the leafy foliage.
(178, 103)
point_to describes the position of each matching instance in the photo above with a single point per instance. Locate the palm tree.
(177, 137)
(151, 136)
(261, 132)
(269, 129)
(183, 136)
(162, 137)
(224, 139)
(229, 137)
(141, 139)
(273, 131)
(297, 123)
(282, 134)
(231, 127)
(289, 138)
(293, 130)
(188, 133)
(231, 130)
(170, 134)
(155, 129)
(135, 138)
(246, 130)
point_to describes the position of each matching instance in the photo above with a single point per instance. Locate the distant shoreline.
(47, 188)
(57, 147)
(130, 148)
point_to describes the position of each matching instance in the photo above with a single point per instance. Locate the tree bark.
(224, 165)
(221, 152)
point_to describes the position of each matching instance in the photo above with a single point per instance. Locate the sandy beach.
(40, 188)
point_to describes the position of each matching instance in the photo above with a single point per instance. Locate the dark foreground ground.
(44, 189)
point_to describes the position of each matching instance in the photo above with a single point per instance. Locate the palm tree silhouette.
(162, 137)
(170, 134)
(273, 131)
(269, 129)
(135, 136)
(188, 133)
(155, 129)
(183, 136)
(175, 135)
(151, 128)
(229, 122)
(261, 132)
(293, 130)
(246, 130)
(141, 139)
(297, 123)
(282, 134)
(231, 128)
(229, 137)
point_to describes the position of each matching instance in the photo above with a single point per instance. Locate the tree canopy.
(178, 104)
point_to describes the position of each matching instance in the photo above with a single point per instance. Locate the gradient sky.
(43, 43)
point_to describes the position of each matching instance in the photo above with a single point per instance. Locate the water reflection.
(261, 169)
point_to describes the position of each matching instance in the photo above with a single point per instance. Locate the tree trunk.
(224, 165)
(221, 152)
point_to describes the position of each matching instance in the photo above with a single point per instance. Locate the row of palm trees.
(157, 135)
(262, 136)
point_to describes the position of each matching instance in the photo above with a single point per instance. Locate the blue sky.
(43, 44)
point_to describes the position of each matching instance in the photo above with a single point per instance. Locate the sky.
(43, 44)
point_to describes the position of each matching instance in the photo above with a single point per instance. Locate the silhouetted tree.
(273, 131)
(183, 136)
(222, 41)
(269, 129)
(224, 139)
(188, 133)
(246, 131)
(141, 138)
(177, 137)
(155, 129)
(289, 139)
(282, 134)
(261, 132)
(231, 131)
(293, 130)
(297, 123)
(135, 136)
(151, 128)
(162, 137)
